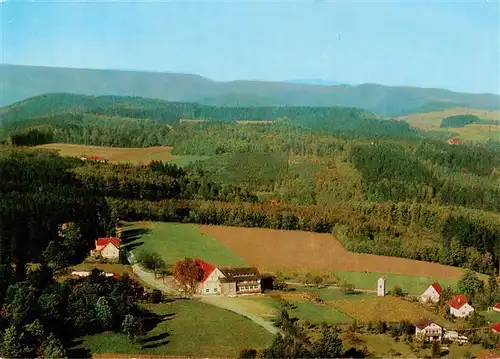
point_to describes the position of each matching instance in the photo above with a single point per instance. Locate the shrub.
(248, 354)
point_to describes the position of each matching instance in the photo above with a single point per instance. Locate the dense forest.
(379, 185)
(459, 121)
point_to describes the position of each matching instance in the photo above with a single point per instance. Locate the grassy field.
(189, 328)
(493, 317)
(471, 132)
(317, 314)
(175, 241)
(410, 284)
(382, 345)
(306, 251)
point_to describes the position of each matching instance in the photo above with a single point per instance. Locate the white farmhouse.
(459, 306)
(108, 247)
(228, 281)
(427, 330)
(432, 294)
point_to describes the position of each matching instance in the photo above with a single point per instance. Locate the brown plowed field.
(276, 249)
(114, 154)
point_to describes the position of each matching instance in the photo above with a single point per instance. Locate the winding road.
(226, 303)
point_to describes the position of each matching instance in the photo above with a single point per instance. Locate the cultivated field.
(277, 249)
(388, 308)
(292, 252)
(124, 155)
(113, 154)
(187, 328)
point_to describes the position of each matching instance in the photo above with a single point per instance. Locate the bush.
(248, 354)
(397, 291)
(347, 288)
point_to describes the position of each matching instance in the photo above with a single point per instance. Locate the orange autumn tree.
(187, 275)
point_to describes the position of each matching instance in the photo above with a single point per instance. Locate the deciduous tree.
(187, 274)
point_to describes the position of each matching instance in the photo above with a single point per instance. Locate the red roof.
(497, 306)
(496, 327)
(96, 158)
(437, 287)
(458, 301)
(454, 140)
(103, 242)
(207, 268)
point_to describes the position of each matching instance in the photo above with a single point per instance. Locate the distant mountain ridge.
(21, 82)
(318, 82)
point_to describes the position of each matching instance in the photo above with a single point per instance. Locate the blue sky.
(450, 44)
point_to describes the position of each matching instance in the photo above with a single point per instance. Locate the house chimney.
(459, 299)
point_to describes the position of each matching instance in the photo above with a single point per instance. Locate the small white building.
(459, 306)
(455, 337)
(87, 273)
(427, 330)
(432, 294)
(381, 287)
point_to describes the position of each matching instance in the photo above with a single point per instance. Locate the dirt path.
(221, 302)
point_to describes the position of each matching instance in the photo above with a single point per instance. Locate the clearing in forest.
(134, 156)
(114, 154)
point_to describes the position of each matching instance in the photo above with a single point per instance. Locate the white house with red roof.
(432, 294)
(209, 283)
(227, 281)
(459, 306)
(495, 328)
(107, 247)
(496, 307)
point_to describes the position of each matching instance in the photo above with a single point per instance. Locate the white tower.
(381, 287)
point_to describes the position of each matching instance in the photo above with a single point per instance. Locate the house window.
(215, 289)
(207, 290)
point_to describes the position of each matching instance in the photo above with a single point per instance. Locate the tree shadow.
(131, 246)
(155, 341)
(151, 320)
(130, 235)
(76, 350)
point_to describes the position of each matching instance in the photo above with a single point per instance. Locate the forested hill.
(21, 82)
(55, 112)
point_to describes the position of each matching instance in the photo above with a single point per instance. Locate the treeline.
(157, 181)
(388, 229)
(427, 173)
(87, 130)
(138, 122)
(458, 121)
